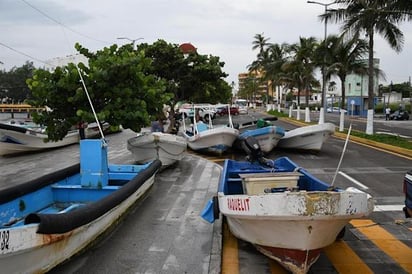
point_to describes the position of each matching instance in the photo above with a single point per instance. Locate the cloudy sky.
(46, 29)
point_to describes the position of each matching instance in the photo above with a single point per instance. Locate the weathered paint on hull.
(31, 252)
(296, 261)
(221, 137)
(168, 148)
(293, 221)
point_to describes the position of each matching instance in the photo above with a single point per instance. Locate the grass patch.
(393, 140)
(277, 113)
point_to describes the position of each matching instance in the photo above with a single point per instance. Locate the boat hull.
(283, 210)
(216, 140)
(32, 252)
(168, 148)
(295, 216)
(49, 219)
(307, 138)
(296, 261)
(18, 140)
(267, 137)
(296, 224)
(14, 142)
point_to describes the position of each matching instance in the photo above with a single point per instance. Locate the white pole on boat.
(194, 120)
(230, 117)
(343, 152)
(91, 104)
(210, 116)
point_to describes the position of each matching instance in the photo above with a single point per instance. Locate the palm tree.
(277, 56)
(260, 43)
(370, 16)
(345, 56)
(257, 67)
(299, 70)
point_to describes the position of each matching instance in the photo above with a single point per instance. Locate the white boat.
(307, 137)
(49, 219)
(22, 138)
(284, 211)
(147, 146)
(210, 138)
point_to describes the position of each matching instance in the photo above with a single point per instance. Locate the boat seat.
(201, 127)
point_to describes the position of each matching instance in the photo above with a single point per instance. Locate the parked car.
(186, 113)
(399, 115)
(207, 113)
(335, 109)
(243, 110)
(224, 110)
(221, 111)
(407, 189)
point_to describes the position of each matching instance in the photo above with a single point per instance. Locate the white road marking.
(388, 208)
(356, 182)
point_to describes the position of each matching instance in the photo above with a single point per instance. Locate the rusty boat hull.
(283, 210)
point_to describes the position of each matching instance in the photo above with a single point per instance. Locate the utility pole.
(326, 5)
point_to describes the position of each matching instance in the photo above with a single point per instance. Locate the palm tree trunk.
(342, 102)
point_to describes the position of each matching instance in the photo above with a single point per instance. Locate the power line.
(61, 24)
(22, 53)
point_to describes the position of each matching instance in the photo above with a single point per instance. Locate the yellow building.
(261, 87)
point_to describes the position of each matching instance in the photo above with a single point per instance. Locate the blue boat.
(284, 211)
(47, 220)
(267, 137)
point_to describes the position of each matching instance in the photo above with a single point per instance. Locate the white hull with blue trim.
(46, 221)
(268, 137)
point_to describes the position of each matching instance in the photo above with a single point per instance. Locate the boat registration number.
(4, 239)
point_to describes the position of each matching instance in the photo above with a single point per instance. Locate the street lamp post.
(326, 5)
(131, 40)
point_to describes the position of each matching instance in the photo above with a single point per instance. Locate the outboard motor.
(251, 146)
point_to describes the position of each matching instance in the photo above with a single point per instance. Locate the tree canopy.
(118, 83)
(193, 77)
(127, 86)
(13, 88)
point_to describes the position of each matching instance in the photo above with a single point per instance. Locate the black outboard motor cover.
(251, 146)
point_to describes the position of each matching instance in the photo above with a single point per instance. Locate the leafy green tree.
(195, 78)
(370, 17)
(120, 88)
(404, 88)
(13, 83)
